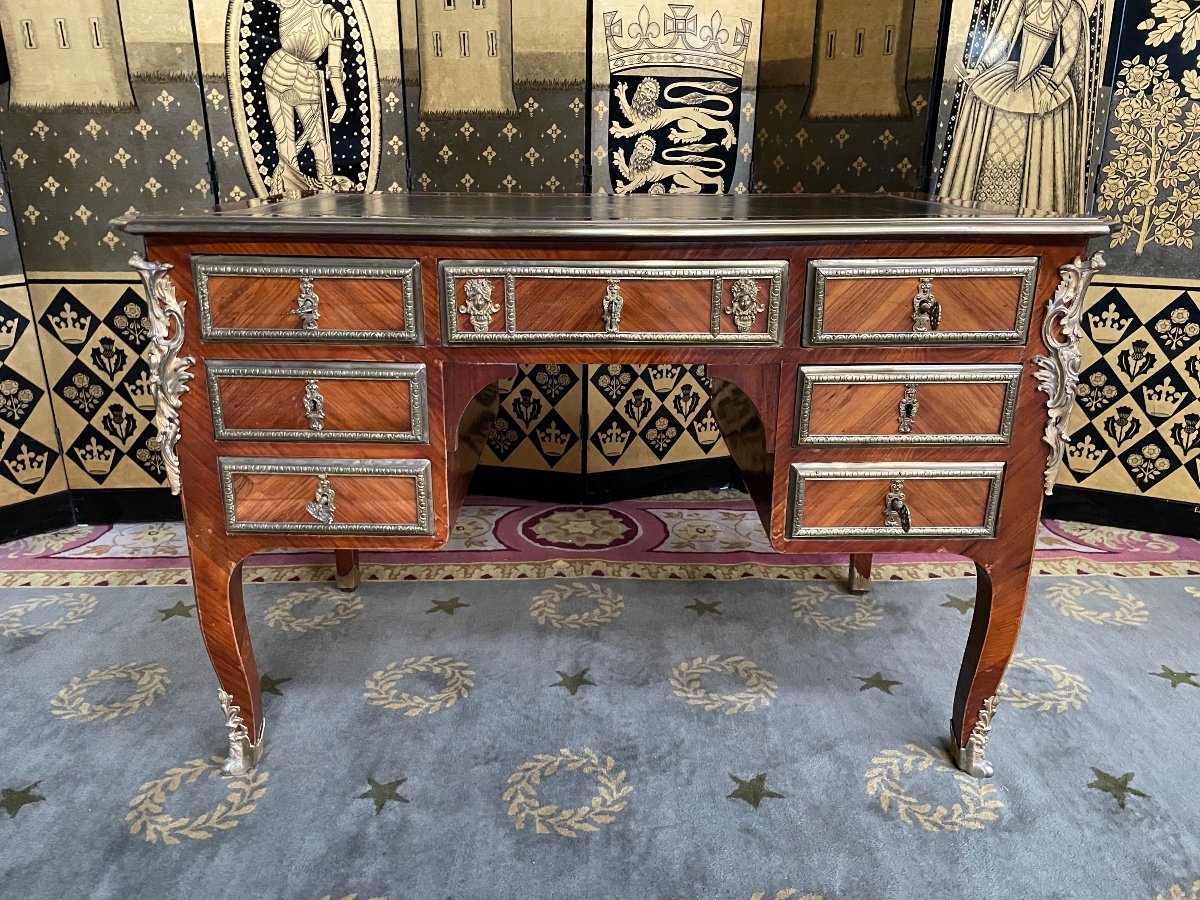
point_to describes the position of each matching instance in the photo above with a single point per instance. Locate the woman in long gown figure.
(1019, 142)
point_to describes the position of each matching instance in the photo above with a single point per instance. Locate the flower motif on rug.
(810, 600)
(710, 530)
(978, 804)
(1110, 538)
(1069, 599)
(580, 528)
(525, 807)
(1069, 690)
(149, 817)
(760, 685)
(607, 606)
(44, 544)
(78, 607)
(382, 685)
(345, 607)
(149, 680)
(143, 540)
(474, 529)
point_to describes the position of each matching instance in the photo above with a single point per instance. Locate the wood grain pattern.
(885, 305)
(376, 499)
(874, 409)
(934, 503)
(755, 402)
(350, 404)
(353, 304)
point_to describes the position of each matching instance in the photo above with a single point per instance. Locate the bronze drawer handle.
(612, 304)
(909, 405)
(307, 304)
(895, 509)
(322, 508)
(745, 307)
(314, 405)
(478, 305)
(927, 312)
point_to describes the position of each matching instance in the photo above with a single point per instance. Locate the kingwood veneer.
(892, 375)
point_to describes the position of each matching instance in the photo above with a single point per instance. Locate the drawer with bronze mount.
(894, 500)
(303, 299)
(564, 302)
(327, 496)
(882, 405)
(913, 302)
(319, 401)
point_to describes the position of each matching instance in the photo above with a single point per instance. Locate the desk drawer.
(287, 401)
(512, 302)
(871, 500)
(920, 301)
(327, 496)
(857, 405)
(303, 299)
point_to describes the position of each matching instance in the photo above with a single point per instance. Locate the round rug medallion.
(579, 528)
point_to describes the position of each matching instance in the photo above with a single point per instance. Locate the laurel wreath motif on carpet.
(608, 606)
(979, 804)
(1067, 598)
(761, 687)
(78, 606)
(525, 806)
(150, 682)
(345, 607)
(809, 599)
(149, 817)
(382, 685)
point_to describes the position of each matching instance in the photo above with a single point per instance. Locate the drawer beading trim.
(298, 267)
(413, 373)
(803, 472)
(810, 376)
(452, 272)
(820, 271)
(418, 469)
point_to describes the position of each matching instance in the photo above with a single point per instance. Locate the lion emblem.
(692, 122)
(687, 172)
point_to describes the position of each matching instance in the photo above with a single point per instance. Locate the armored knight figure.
(295, 90)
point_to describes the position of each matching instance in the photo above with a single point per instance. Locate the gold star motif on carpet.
(1117, 786)
(13, 800)
(447, 606)
(383, 792)
(181, 610)
(701, 608)
(573, 682)
(878, 682)
(753, 790)
(1177, 678)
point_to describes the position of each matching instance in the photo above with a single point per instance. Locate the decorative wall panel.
(844, 96)
(1023, 103)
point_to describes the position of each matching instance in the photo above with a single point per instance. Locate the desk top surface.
(575, 216)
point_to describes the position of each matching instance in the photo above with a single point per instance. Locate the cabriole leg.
(222, 615)
(999, 606)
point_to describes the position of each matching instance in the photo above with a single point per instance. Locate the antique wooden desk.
(892, 375)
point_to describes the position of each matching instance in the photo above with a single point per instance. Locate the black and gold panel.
(496, 94)
(845, 95)
(539, 426)
(93, 338)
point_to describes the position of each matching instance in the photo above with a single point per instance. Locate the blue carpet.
(601, 737)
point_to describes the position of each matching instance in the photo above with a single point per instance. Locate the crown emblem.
(1108, 327)
(1162, 400)
(662, 378)
(8, 333)
(554, 442)
(141, 392)
(95, 459)
(707, 430)
(614, 440)
(1084, 457)
(70, 327)
(679, 41)
(28, 468)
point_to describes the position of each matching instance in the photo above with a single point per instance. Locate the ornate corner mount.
(970, 758)
(244, 754)
(169, 372)
(1058, 373)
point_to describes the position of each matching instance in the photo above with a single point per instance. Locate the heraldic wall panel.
(845, 95)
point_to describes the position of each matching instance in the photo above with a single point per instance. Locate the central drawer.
(894, 500)
(333, 401)
(517, 302)
(327, 496)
